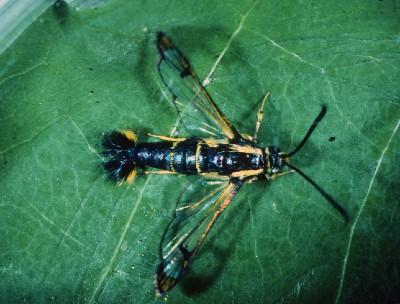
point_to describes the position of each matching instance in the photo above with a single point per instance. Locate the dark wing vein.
(191, 99)
(187, 231)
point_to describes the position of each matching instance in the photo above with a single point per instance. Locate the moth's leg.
(160, 172)
(215, 176)
(260, 116)
(166, 138)
(280, 174)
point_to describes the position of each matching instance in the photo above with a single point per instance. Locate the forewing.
(187, 231)
(198, 111)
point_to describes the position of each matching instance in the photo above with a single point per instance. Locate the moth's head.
(276, 160)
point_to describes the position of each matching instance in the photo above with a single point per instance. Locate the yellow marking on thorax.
(244, 173)
(246, 149)
(213, 142)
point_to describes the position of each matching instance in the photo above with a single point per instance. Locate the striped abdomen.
(194, 156)
(166, 155)
(122, 154)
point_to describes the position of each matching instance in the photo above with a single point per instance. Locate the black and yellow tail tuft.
(118, 154)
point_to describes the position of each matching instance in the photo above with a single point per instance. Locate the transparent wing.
(187, 231)
(198, 111)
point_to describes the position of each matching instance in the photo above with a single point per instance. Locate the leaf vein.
(48, 220)
(363, 204)
(15, 75)
(287, 51)
(32, 138)
(109, 265)
(243, 18)
(93, 150)
(80, 208)
(256, 247)
(349, 122)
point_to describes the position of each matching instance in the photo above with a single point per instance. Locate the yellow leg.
(281, 174)
(160, 172)
(214, 175)
(248, 137)
(260, 115)
(166, 138)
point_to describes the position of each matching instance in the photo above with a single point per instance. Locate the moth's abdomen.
(154, 155)
(118, 155)
(183, 157)
(166, 155)
(190, 156)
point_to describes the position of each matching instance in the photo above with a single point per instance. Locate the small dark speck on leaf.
(91, 69)
(91, 92)
(332, 138)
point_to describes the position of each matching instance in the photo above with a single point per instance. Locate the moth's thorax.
(229, 159)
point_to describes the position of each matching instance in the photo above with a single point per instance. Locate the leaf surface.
(68, 235)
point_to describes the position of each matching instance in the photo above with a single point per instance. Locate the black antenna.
(329, 198)
(309, 132)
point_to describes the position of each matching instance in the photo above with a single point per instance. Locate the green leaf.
(70, 236)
